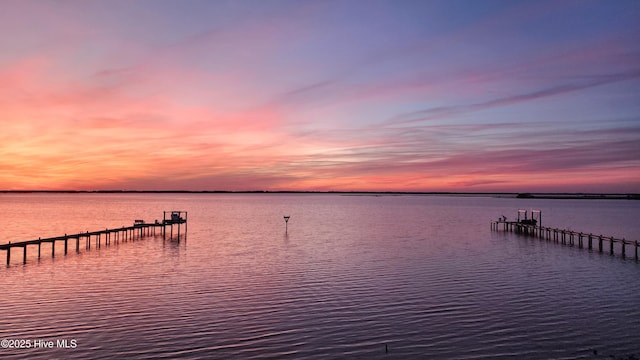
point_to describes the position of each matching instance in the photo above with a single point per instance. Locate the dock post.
(66, 240)
(599, 243)
(623, 250)
(24, 255)
(9, 254)
(53, 248)
(580, 240)
(78, 244)
(637, 250)
(39, 243)
(610, 245)
(571, 242)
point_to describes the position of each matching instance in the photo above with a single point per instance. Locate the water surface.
(423, 275)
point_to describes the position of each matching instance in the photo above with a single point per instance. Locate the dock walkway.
(138, 230)
(567, 237)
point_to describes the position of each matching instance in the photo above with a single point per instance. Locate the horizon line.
(519, 194)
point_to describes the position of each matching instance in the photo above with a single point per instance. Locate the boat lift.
(535, 219)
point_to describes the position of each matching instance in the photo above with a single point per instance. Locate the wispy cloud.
(448, 111)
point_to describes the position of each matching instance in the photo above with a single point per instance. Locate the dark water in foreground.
(422, 274)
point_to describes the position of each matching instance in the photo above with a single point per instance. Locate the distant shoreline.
(581, 196)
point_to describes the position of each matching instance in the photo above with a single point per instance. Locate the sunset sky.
(522, 96)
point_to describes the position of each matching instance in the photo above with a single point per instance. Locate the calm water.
(422, 274)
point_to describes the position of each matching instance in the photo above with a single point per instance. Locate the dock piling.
(600, 244)
(610, 245)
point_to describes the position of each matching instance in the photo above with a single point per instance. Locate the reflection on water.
(422, 276)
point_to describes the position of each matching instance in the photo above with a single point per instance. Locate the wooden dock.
(138, 230)
(566, 237)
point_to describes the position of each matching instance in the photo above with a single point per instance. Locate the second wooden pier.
(138, 230)
(531, 227)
